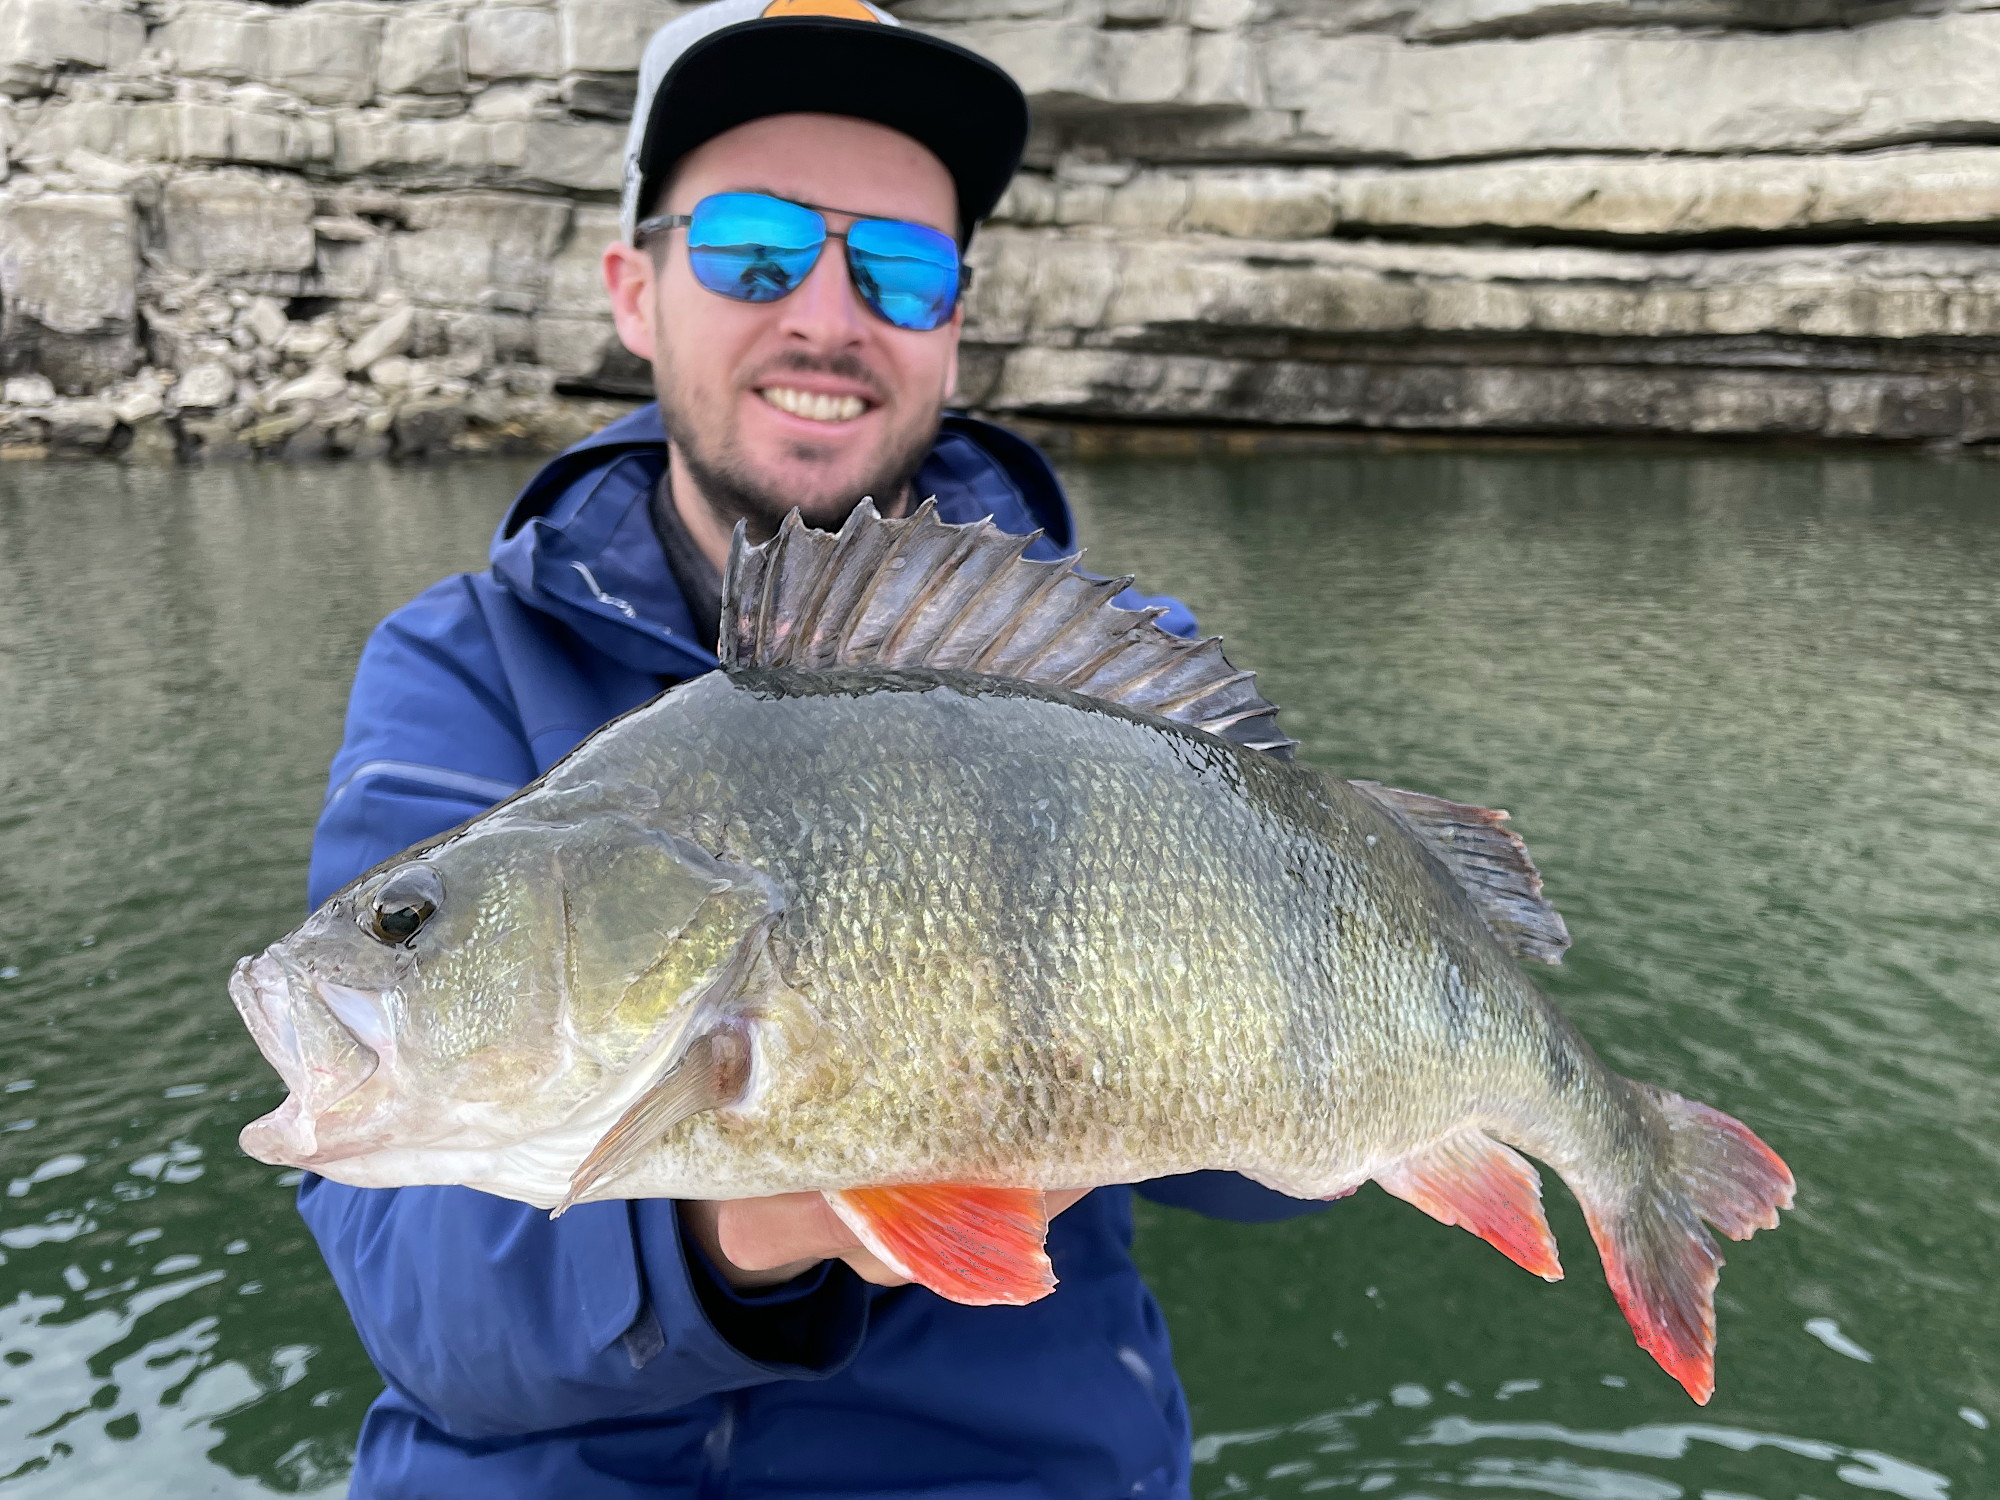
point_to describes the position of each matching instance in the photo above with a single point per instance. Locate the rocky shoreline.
(257, 384)
(371, 227)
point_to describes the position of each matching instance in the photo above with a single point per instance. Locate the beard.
(727, 476)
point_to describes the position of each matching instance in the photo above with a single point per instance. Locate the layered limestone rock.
(374, 226)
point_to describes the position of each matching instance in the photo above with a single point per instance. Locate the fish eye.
(403, 903)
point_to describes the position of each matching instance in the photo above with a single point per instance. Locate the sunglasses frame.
(659, 223)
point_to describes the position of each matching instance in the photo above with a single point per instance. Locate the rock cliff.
(372, 226)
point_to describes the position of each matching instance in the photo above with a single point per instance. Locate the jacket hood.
(578, 542)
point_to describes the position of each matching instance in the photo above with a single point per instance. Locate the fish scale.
(1248, 996)
(850, 917)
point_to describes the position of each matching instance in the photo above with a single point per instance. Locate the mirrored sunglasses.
(755, 248)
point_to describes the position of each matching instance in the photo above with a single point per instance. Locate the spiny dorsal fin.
(921, 592)
(1489, 862)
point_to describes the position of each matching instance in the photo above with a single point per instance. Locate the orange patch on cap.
(850, 10)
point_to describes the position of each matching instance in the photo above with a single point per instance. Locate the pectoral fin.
(975, 1245)
(1472, 1180)
(712, 1072)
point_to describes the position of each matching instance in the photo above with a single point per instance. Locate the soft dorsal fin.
(1489, 862)
(921, 592)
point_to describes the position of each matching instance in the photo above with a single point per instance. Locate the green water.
(1746, 710)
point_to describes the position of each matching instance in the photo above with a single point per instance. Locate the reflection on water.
(1743, 708)
(174, 655)
(1335, 1433)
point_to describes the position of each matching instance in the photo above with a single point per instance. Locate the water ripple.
(1746, 710)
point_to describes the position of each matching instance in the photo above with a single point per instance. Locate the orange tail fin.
(1661, 1263)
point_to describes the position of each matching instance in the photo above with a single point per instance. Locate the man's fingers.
(761, 1234)
(791, 1232)
(868, 1266)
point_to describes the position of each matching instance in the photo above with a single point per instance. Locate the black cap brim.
(964, 109)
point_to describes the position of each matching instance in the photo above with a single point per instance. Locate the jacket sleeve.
(1227, 1195)
(430, 738)
(492, 1319)
(1178, 619)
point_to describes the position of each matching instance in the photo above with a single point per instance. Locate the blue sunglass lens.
(907, 272)
(758, 249)
(753, 248)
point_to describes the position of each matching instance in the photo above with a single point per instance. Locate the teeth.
(814, 406)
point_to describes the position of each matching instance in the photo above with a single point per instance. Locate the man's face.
(812, 400)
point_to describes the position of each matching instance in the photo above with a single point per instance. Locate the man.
(800, 180)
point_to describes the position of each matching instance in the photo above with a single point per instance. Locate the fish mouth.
(286, 1137)
(258, 989)
(268, 993)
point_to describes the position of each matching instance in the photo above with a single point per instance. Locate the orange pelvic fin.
(1471, 1179)
(975, 1245)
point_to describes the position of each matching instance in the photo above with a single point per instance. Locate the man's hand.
(757, 1242)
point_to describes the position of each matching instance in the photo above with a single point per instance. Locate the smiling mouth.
(814, 406)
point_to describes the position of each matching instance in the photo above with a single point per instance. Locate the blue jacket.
(598, 1355)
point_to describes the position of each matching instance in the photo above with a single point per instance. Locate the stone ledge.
(328, 422)
(70, 309)
(1645, 92)
(1372, 96)
(1463, 20)
(1038, 286)
(1585, 198)
(1437, 20)
(1496, 396)
(39, 39)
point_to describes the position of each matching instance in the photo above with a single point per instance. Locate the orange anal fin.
(1472, 1180)
(975, 1245)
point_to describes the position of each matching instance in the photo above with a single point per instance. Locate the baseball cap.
(734, 61)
